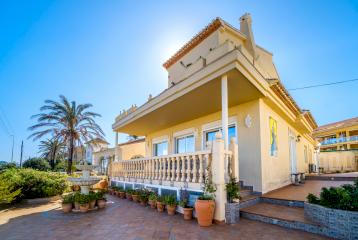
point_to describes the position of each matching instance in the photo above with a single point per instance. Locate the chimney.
(245, 28)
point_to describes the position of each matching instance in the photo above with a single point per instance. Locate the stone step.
(285, 216)
(249, 200)
(245, 192)
(283, 202)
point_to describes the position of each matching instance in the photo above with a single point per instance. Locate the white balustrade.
(188, 167)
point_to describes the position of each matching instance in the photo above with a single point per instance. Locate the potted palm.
(184, 204)
(171, 203)
(160, 203)
(83, 200)
(152, 200)
(205, 204)
(101, 200)
(67, 202)
(92, 200)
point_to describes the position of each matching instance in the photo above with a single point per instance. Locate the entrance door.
(292, 146)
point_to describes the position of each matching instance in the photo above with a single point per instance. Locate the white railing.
(187, 167)
(339, 140)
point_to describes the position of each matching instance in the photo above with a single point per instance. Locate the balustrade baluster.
(160, 168)
(183, 168)
(195, 174)
(178, 169)
(173, 159)
(188, 172)
(168, 168)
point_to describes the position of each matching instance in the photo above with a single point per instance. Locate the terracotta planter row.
(67, 207)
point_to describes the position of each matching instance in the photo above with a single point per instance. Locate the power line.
(324, 84)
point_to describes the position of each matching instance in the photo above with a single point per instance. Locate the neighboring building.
(340, 135)
(219, 83)
(338, 145)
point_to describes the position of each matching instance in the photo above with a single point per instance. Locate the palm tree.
(68, 122)
(50, 149)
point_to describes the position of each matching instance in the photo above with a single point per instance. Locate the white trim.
(185, 132)
(160, 139)
(216, 125)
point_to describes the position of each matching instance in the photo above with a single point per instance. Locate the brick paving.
(127, 220)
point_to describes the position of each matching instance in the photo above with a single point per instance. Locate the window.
(210, 135)
(185, 144)
(160, 148)
(273, 137)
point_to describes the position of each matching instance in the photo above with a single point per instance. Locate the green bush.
(5, 165)
(170, 200)
(83, 199)
(344, 197)
(33, 183)
(69, 198)
(232, 190)
(37, 163)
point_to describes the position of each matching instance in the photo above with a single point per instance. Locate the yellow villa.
(225, 108)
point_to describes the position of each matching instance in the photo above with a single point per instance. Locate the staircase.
(285, 213)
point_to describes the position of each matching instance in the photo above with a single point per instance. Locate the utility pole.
(12, 149)
(22, 149)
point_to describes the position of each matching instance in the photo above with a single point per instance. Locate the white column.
(224, 111)
(115, 148)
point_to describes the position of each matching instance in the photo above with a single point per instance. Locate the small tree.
(37, 163)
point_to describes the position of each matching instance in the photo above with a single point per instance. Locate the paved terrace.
(299, 193)
(126, 220)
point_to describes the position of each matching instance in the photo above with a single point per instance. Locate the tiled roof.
(336, 125)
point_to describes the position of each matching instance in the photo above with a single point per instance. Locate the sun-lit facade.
(225, 107)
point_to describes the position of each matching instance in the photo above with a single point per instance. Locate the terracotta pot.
(188, 213)
(118, 194)
(171, 209)
(84, 207)
(205, 212)
(160, 206)
(77, 206)
(135, 198)
(103, 184)
(101, 203)
(66, 207)
(129, 197)
(122, 195)
(110, 191)
(92, 204)
(152, 203)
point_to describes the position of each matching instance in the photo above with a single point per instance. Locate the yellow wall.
(276, 170)
(257, 167)
(128, 151)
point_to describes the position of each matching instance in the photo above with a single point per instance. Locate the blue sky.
(110, 54)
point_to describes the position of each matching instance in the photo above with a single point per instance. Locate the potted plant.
(67, 202)
(92, 199)
(160, 203)
(129, 194)
(171, 203)
(233, 198)
(135, 196)
(205, 204)
(101, 200)
(152, 200)
(76, 200)
(184, 201)
(83, 200)
(110, 190)
(122, 193)
(143, 197)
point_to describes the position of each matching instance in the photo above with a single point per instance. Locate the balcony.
(340, 140)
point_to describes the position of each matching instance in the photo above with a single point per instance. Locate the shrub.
(92, 196)
(83, 199)
(100, 195)
(232, 190)
(5, 165)
(344, 197)
(33, 183)
(152, 196)
(37, 163)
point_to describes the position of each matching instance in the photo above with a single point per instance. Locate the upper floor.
(342, 135)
